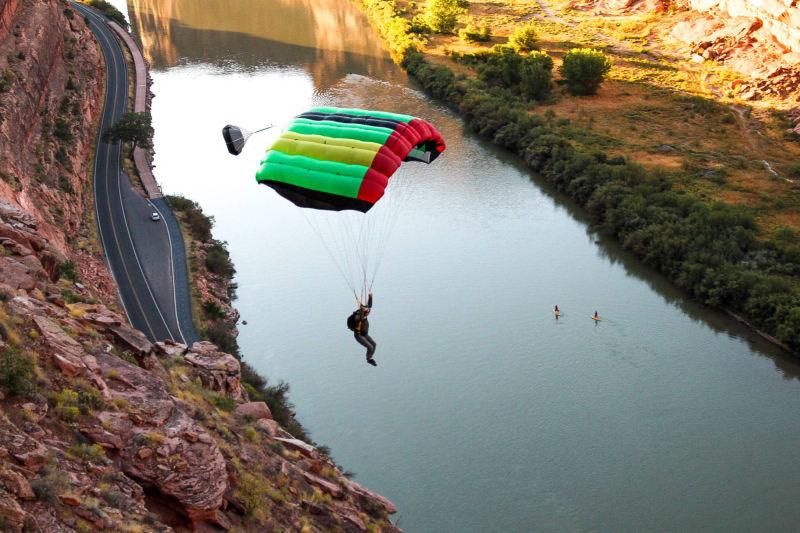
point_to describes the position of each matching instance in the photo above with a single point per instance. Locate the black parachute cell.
(234, 139)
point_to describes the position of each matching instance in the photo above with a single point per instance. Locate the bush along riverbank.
(711, 250)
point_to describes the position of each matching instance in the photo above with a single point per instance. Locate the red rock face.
(780, 18)
(51, 76)
(7, 10)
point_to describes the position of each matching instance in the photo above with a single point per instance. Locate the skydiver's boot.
(371, 361)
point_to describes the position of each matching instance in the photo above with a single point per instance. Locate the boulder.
(132, 338)
(12, 513)
(300, 446)
(218, 371)
(170, 348)
(25, 450)
(255, 410)
(102, 437)
(16, 484)
(68, 365)
(268, 426)
(70, 499)
(323, 484)
(360, 492)
(16, 274)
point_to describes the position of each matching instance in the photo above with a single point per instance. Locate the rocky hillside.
(758, 39)
(100, 428)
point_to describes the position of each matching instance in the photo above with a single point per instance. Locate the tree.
(584, 69)
(475, 33)
(442, 15)
(134, 128)
(535, 76)
(529, 75)
(523, 39)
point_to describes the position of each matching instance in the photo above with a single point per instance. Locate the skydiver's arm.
(369, 301)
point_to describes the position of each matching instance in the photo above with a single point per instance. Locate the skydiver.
(359, 324)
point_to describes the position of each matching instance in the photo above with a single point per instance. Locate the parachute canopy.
(337, 159)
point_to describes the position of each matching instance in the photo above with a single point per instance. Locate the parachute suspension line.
(315, 227)
(356, 242)
(400, 191)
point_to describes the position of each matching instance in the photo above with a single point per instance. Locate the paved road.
(145, 257)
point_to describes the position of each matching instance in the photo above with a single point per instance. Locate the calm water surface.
(485, 414)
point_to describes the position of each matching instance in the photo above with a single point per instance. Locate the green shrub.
(50, 483)
(251, 491)
(91, 453)
(63, 181)
(62, 129)
(474, 33)
(115, 499)
(534, 83)
(17, 372)
(218, 260)
(89, 398)
(199, 224)
(528, 75)
(250, 433)
(179, 203)
(66, 405)
(212, 311)
(222, 402)
(419, 25)
(793, 171)
(67, 271)
(584, 70)
(132, 127)
(6, 80)
(442, 15)
(69, 296)
(110, 11)
(220, 334)
(524, 38)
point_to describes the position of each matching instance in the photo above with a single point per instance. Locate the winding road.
(146, 258)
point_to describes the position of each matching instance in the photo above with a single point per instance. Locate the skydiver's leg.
(362, 340)
(370, 352)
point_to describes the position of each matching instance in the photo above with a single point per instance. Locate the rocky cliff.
(100, 428)
(50, 85)
(759, 39)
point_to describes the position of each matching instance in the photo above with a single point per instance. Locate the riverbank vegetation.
(678, 207)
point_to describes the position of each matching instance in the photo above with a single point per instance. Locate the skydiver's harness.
(355, 322)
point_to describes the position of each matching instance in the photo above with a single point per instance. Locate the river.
(484, 414)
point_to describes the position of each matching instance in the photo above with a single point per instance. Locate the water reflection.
(325, 37)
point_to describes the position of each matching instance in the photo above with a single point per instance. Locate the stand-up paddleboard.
(596, 318)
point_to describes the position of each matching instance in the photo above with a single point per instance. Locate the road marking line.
(172, 270)
(94, 187)
(100, 34)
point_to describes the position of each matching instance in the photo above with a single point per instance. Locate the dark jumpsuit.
(361, 331)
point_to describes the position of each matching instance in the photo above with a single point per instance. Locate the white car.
(155, 217)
